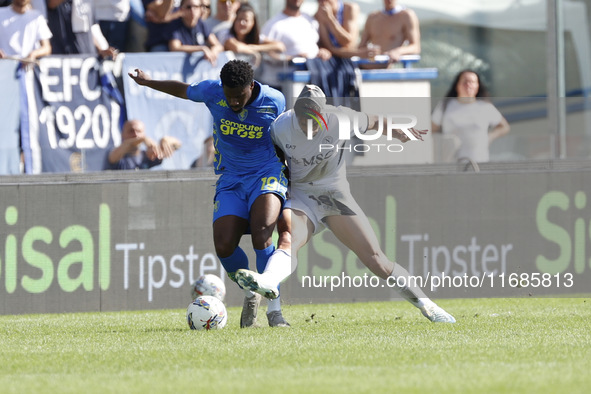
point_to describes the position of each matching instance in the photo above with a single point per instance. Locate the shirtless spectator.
(395, 30)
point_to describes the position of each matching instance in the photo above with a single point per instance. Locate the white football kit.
(319, 185)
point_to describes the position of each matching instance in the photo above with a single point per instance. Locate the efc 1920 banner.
(74, 115)
(9, 108)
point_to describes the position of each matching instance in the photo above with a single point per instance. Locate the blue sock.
(234, 262)
(263, 256)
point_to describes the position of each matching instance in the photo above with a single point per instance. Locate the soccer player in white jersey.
(320, 197)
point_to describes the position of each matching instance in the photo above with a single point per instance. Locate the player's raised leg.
(356, 233)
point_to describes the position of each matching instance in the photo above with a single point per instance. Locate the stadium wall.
(130, 241)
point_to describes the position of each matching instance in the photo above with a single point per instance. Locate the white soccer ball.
(210, 285)
(207, 313)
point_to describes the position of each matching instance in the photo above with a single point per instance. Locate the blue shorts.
(235, 194)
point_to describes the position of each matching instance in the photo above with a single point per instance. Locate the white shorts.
(317, 202)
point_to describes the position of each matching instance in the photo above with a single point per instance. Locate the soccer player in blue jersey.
(250, 191)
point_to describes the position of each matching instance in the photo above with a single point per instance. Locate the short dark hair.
(237, 74)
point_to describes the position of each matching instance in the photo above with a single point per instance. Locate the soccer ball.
(210, 285)
(207, 313)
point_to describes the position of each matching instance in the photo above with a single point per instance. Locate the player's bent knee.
(262, 239)
(224, 249)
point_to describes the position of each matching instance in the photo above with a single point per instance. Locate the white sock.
(248, 293)
(274, 305)
(410, 291)
(279, 266)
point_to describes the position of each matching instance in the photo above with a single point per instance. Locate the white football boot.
(436, 314)
(255, 282)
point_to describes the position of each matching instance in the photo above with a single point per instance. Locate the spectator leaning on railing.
(244, 36)
(339, 29)
(393, 31)
(189, 34)
(129, 156)
(158, 15)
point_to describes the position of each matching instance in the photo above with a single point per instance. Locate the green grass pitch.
(520, 345)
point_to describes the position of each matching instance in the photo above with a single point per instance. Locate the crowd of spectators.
(103, 27)
(326, 41)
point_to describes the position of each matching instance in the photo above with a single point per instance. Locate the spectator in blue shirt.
(158, 15)
(189, 34)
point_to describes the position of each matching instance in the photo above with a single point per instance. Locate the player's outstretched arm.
(404, 137)
(174, 88)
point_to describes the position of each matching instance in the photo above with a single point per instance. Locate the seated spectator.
(129, 156)
(189, 34)
(393, 31)
(113, 18)
(299, 33)
(158, 15)
(24, 34)
(224, 15)
(467, 113)
(244, 35)
(74, 30)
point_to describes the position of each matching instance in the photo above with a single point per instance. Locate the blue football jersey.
(242, 140)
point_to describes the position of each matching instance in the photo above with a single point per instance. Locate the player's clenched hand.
(417, 133)
(140, 78)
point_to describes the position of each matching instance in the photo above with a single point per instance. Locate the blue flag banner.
(73, 121)
(9, 126)
(163, 114)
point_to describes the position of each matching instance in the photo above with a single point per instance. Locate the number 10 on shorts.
(270, 183)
